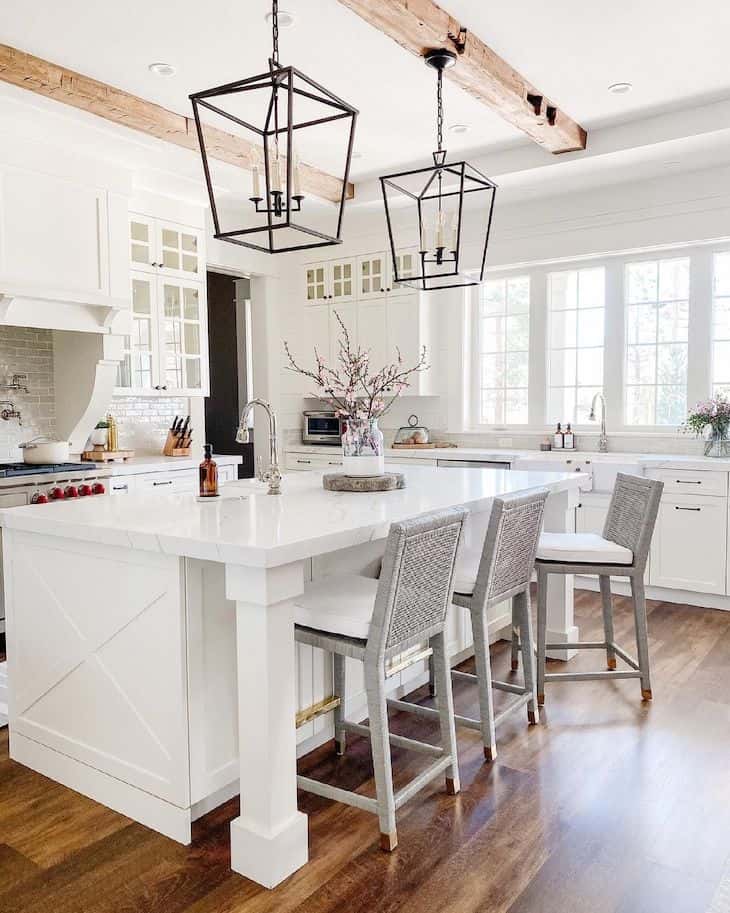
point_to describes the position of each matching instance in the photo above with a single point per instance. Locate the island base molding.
(660, 593)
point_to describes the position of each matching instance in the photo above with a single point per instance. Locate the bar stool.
(501, 570)
(622, 551)
(372, 621)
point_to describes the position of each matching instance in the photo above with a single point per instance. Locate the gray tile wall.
(27, 351)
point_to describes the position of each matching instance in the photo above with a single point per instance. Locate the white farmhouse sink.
(601, 467)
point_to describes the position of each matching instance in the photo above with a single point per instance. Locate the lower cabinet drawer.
(691, 482)
(182, 480)
(689, 548)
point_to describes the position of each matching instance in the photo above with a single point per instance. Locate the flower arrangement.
(351, 388)
(714, 414)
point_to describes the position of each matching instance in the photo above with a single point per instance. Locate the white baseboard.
(660, 593)
(161, 816)
(3, 694)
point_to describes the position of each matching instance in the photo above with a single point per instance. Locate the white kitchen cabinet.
(347, 313)
(590, 515)
(58, 243)
(305, 461)
(689, 548)
(407, 263)
(330, 280)
(166, 248)
(372, 276)
(121, 485)
(372, 332)
(167, 351)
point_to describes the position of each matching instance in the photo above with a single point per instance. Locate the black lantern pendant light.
(275, 116)
(443, 211)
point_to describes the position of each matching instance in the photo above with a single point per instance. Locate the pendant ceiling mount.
(443, 211)
(278, 116)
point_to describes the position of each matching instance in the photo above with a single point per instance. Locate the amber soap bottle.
(208, 475)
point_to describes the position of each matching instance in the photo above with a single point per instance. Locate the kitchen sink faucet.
(273, 473)
(602, 440)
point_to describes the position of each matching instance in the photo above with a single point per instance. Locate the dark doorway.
(228, 336)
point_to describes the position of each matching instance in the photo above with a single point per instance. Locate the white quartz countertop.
(157, 463)
(645, 460)
(247, 526)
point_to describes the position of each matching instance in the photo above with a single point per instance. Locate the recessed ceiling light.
(459, 128)
(620, 88)
(162, 69)
(286, 19)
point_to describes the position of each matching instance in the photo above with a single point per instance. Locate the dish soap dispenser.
(558, 439)
(208, 475)
(569, 439)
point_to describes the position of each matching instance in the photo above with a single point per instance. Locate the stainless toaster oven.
(322, 428)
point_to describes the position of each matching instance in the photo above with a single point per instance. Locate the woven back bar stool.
(374, 620)
(622, 551)
(501, 570)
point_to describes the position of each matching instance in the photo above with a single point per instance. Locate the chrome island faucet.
(602, 440)
(273, 473)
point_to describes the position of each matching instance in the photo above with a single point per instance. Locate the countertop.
(157, 463)
(247, 526)
(645, 460)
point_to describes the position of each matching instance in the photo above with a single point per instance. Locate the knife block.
(170, 450)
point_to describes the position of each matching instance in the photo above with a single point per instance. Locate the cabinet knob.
(382, 289)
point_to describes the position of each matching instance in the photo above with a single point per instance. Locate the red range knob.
(84, 490)
(56, 494)
(97, 488)
(71, 491)
(39, 498)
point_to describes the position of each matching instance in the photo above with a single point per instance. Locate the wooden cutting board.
(106, 456)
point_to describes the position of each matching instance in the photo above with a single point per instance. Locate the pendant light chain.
(275, 30)
(440, 111)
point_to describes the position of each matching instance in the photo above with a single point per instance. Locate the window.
(721, 324)
(576, 300)
(657, 317)
(504, 342)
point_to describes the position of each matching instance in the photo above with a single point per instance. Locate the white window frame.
(715, 296)
(475, 355)
(699, 367)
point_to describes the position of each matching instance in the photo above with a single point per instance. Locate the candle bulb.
(256, 181)
(424, 248)
(439, 229)
(276, 175)
(454, 230)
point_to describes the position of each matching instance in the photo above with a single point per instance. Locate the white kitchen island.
(148, 636)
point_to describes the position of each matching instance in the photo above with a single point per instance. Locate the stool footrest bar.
(412, 708)
(339, 795)
(509, 687)
(417, 783)
(469, 676)
(588, 676)
(629, 660)
(580, 645)
(515, 705)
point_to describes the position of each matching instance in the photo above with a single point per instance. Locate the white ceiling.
(674, 53)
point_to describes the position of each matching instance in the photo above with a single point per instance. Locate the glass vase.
(718, 444)
(362, 448)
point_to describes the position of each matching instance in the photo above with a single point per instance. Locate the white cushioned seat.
(582, 548)
(465, 572)
(341, 604)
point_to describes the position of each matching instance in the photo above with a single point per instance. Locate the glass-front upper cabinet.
(372, 276)
(342, 281)
(407, 265)
(181, 337)
(137, 372)
(165, 248)
(316, 283)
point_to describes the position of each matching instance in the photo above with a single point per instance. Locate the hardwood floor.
(609, 806)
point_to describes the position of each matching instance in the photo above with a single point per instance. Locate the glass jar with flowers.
(711, 419)
(360, 396)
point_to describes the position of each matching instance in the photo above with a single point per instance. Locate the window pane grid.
(576, 305)
(721, 324)
(657, 318)
(504, 341)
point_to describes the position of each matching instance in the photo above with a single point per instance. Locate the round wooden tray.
(338, 481)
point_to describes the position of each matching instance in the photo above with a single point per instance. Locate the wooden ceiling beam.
(78, 91)
(421, 25)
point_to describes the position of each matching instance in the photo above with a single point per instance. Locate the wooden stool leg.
(339, 689)
(380, 743)
(542, 580)
(522, 605)
(442, 672)
(607, 605)
(642, 635)
(484, 681)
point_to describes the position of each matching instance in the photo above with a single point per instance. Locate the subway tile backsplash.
(27, 351)
(143, 422)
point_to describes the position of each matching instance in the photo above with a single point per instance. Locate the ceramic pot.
(362, 448)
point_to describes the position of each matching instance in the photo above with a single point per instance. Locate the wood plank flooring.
(609, 806)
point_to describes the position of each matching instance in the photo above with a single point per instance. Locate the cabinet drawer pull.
(697, 509)
(168, 482)
(334, 462)
(688, 482)
(304, 461)
(120, 487)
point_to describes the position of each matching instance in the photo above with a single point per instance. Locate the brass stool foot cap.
(533, 717)
(541, 699)
(611, 663)
(646, 694)
(451, 788)
(388, 842)
(490, 753)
